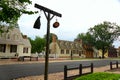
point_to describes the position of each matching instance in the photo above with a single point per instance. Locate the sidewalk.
(60, 75)
(40, 60)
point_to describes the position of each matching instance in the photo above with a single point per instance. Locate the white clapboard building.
(14, 44)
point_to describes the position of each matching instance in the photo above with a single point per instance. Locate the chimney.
(53, 38)
(78, 40)
(24, 36)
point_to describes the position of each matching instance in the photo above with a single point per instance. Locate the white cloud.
(77, 16)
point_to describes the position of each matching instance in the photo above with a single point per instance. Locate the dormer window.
(15, 37)
(66, 43)
(4, 35)
(72, 45)
(8, 36)
(61, 43)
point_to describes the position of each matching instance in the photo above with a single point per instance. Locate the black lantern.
(37, 23)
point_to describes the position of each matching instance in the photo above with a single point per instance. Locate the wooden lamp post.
(47, 13)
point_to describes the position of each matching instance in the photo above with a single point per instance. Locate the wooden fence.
(22, 58)
(114, 63)
(80, 68)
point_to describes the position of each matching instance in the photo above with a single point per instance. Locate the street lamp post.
(47, 13)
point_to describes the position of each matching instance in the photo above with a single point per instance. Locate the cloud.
(77, 16)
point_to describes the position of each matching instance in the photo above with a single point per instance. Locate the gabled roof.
(14, 37)
(69, 45)
(12, 42)
(26, 43)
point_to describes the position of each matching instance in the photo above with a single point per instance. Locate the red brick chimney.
(78, 40)
(24, 36)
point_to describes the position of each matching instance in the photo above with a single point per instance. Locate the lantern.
(37, 23)
(56, 24)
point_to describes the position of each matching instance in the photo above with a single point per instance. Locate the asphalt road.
(10, 72)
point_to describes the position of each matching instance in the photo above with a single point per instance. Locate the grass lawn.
(100, 76)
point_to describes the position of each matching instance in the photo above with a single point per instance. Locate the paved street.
(10, 72)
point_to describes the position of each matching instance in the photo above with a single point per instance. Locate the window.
(25, 50)
(13, 48)
(2, 47)
(8, 36)
(80, 52)
(3, 35)
(16, 37)
(77, 51)
(62, 51)
(74, 51)
(67, 51)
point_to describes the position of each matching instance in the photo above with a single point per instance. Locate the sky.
(77, 17)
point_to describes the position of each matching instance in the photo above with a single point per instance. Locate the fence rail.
(80, 68)
(22, 58)
(114, 63)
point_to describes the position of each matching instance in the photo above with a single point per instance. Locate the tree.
(86, 38)
(38, 44)
(11, 10)
(104, 35)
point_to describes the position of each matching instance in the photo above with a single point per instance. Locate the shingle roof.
(69, 45)
(26, 43)
(15, 38)
(12, 42)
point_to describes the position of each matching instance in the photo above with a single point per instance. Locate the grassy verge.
(100, 76)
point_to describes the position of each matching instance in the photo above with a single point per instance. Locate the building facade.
(112, 52)
(65, 49)
(118, 51)
(14, 44)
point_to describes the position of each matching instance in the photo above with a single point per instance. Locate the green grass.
(100, 76)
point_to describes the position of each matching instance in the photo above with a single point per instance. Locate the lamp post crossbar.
(48, 10)
(49, 18)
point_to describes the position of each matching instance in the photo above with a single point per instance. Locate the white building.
(14, 44)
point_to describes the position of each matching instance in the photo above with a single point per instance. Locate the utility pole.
(47, 13)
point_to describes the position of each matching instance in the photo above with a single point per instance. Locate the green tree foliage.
(104, 35)
(86, 38)
(101, 36)
(11, 10)
(38, 44)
